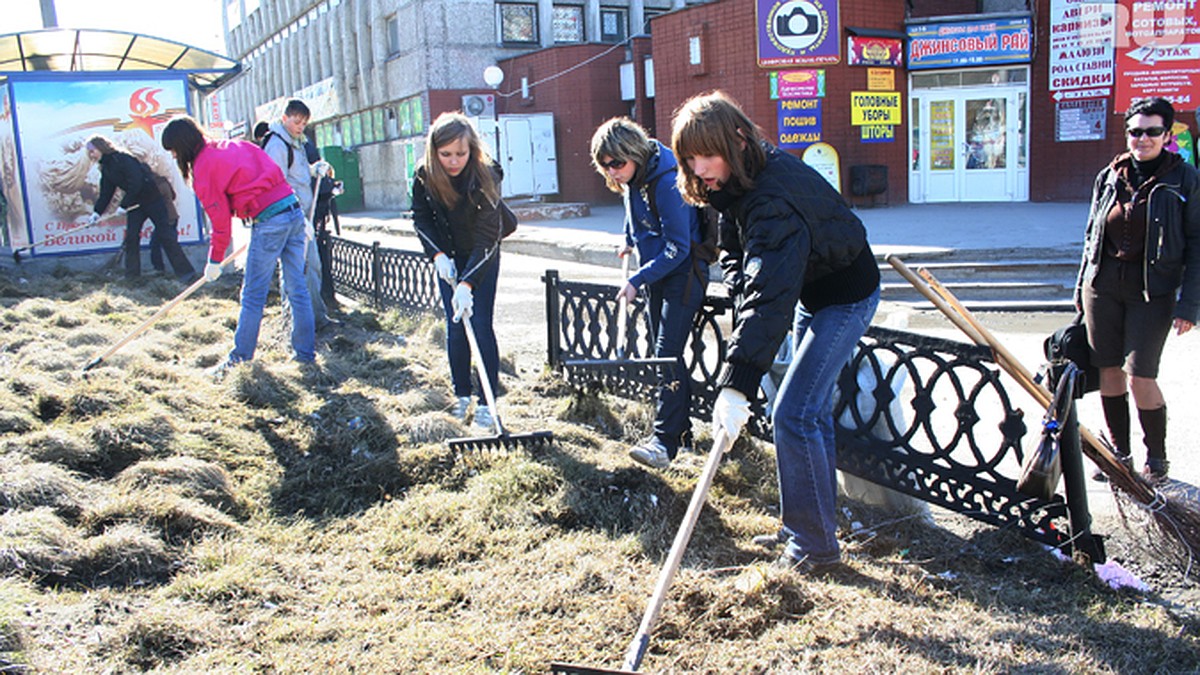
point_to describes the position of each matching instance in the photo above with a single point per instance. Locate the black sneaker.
(1156, 469)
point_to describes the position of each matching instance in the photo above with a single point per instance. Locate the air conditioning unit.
(479, 105)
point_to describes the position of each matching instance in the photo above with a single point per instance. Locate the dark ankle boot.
(1116, 416)
(1154, 431)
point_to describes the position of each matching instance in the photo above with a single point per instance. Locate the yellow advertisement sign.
(881, 79)
(874, 107)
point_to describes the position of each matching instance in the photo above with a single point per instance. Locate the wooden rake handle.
(481, 371)
(960, 316)
(162, 311)
(637, 648)
(73, 230)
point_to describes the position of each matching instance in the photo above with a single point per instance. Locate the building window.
(568, 23)
(393, 35)
(518, 23)
(251, 6)
(649, 14)
(613, 23)
(233, 12)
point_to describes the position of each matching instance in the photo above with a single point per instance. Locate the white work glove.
(462, 302)
(212, 271)
(731, 411)
(445, 268)
(93, 219)
(120, 211)
(321, 168)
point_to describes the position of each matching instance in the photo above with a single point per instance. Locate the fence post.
(553, 346)
(376, 275)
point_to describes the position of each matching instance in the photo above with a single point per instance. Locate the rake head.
(572, 669)
(502, 442)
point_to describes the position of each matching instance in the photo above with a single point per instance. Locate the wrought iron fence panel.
(384, 277)
(921, 415)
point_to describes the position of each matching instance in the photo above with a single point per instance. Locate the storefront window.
(916, 133)
(941, 135)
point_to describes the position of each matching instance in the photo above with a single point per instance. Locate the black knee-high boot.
(1154, 432)
(1116, 415)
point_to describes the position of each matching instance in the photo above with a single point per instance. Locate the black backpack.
(290, 148)
(706, 249)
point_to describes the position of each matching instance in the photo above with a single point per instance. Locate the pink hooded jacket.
(234, 177)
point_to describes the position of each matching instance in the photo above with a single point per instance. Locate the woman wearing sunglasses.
(1140, 275)
(664, 229)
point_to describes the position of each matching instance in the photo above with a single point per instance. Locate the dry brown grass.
(293, 520)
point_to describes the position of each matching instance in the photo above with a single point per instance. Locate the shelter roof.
(94, 50)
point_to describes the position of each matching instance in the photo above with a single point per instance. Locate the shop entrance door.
(972, 143)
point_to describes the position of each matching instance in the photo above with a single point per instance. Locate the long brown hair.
(186, 138)
(448, 128)
(713, 124)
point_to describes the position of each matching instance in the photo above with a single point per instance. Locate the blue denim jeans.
(312, 280)
(279, 238)
(805, 449)
(673, 304)
(482, 313)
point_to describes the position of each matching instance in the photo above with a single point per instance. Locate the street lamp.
(493, 76)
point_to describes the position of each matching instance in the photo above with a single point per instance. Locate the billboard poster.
(957, 44)
(13, 195)
(799, 122)
(1158, 52)
(54, 119)
(797, 32)
(1081, 49)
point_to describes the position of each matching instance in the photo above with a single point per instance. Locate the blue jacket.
(664, 243)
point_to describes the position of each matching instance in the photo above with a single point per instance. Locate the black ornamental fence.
(384, 277)
(927, 417)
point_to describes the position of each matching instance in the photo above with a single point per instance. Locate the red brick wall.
(580, 100)
(929, 8)
(729, 47)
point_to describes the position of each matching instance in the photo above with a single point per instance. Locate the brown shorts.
(1124, 329)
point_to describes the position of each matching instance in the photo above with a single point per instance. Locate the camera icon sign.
(797, 25)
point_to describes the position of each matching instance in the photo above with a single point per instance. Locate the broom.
(1174, 506)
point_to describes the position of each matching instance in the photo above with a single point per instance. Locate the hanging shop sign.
(1158, 52)
(1081, 49)
(799, 122)
(874, 107)
(797, 84)
(874, 51)
(797, 32)
(969, 43)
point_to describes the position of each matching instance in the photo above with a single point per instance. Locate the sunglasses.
(1152, 132)
(614, 164)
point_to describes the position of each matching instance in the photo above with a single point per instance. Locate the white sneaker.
(650, 453)
(461, 406)
(484, 418)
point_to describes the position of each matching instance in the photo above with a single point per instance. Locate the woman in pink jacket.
(233, 177)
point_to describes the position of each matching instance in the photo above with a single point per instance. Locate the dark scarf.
(1125, 227)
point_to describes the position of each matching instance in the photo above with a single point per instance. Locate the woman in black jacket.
(142, 200)
(795, 259)
(456, 213)
(1140, 275)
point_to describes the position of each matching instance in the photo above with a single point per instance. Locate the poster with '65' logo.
(797, 32)
(54, 120)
